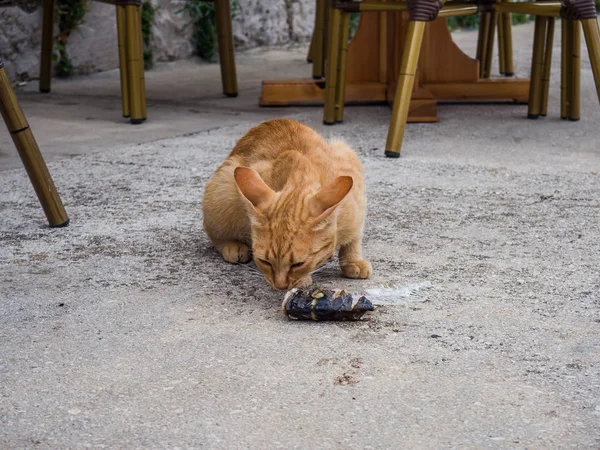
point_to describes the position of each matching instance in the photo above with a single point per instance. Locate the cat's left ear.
(252, 187)
(324, 202)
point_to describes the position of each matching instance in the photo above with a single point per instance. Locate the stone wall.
(93, 46)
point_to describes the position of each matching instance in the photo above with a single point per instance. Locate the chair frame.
(422, 11)
(131, 61)
(30, 154)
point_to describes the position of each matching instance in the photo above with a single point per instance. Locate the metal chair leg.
(226, 50)
(406, 81)
(535, 84)
(332, 66)
(135, 64)
(47, 42)
(122, 40)
(30, 154)
(340, 93)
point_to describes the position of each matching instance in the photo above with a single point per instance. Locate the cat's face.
(292, 234)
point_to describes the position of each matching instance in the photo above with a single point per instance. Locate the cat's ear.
(252, 187)
(324, 202)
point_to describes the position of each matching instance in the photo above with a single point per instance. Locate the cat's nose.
(281, 281)
(281, 285)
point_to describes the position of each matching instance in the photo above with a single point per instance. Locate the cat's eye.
(266, 263)
(297, 265)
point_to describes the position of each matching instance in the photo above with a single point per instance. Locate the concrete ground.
(126, 330)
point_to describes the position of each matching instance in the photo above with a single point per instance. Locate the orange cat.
(293, 198)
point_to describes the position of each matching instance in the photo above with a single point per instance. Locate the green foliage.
(518, 19)
(472, 22)
(464, 22)
(204, 36)
(148, 10)
(597, 4)
(354, 20)
(70, 14)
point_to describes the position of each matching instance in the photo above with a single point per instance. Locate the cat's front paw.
(234, 252)
(303, 282)
(357, 269)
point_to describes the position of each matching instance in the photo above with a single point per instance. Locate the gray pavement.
(126, 330)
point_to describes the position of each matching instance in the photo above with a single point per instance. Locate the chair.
(30, 153)
(572, 14)
(485, 42)
(420, 12)
(318, 43)
(131, 61)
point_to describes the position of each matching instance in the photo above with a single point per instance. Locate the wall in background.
(92, 45)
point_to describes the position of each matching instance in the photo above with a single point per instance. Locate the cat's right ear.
(252, 187)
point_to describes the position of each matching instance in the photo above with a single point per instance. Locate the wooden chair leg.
(122, 40)
(592, 40)
(318, 39)
(406, 81)
(226, 50)
(575, 57)
(135, 64)
(547, 66)
(535, 84)
(340, 94)
(47, 42)
(30, 154)
(333, 52)
(565, 69)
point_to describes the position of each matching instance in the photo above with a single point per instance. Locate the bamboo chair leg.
(509, 66)
(592, 40)
(547, 67)
(501, 50)
(135, 65)
(487, 62)
(575, 56)
(47, 42)
(122, 39)
(565, 69)
(333, 52)
(406, 81)
(340, 94)
(30, 154)
(535, 84)
(482, 38)
(226, 50)
(318, 39)
(311, 49)
(141, 71)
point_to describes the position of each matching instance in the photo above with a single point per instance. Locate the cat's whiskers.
(252, 271)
